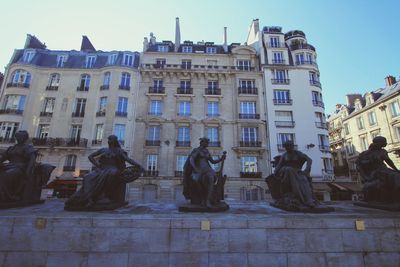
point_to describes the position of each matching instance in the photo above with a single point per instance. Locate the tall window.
(183, 134)
(247, 110)
(151, 164)
(85, 83)
(157, 83)
(75, 133)
(122, 107)
(213, 135)
(112, 59)
(184, 108)
(320, 120)
(360, 123)
(282, 97)
(180, 162)
(102, 104)
(323, 142)
(313, 76)
(394, 109)
(300, 59)
(128, 60)
(212, 84)
(8, 130)
(363, 142)
(349, 147)
(274, 41)
(246, 84)
(186, 64)
(119, 131)
(48, 105)
(21, 78)
(243, 64)
(98, 136)
(185, 84)
(43, 131)
(280, 76)
(54, 81)
(212, 109)
(153, 133)
(317, 99)
(70, 163)
(284, 118)
(61, 59)
(155, 108)
(14, 102)
(249, 134)
(372, 118)
(249, 164)
(106, 80)
(125, 81)
(90, 60)
(79, 109)
(277, 58)
(346, 128)
(284, 137)
(187, 49)
(28, 56)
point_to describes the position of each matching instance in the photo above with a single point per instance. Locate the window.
(14, 102)
(187, 49)
(212, 84)
(394, 109)
(75, 133)
(282, 97)
(317, 99)
(160, 62)
(274, 41)
(313, 77)
(28, 55)
(155, 108)
(125, 81)
(363, 142)
(162, 48)
(98, 136)
(112, 59)
(346, 128)
(349, 148)
(280, 77)
(309, 58)
(328, 167)
(153, 133)
(300, 59)
(183, 134)
(323, 142)
(158, 83)
(48, 106)
(249, 164)
(246, 84)
(151, 164)
(79, 109)
(186, 64)
(185, 86)
(61, 59)
(184, 108)
(249, 134)
(277, 58)
(213, 135)
(43, 131)
(372, 118)
(70, 163)
(243, 64)
(320, 120)
(103, 104)
(211, 50)
(8, 130)
(122, 107)
(248, 108)
(360, 123)
(90, 60)
(212, 109)
(85, 83)
(106, 80)
(284, 137)
(128, 60)
(54, 80)
(284, 118)
(21, 78)
(119, 131)
(180, 162)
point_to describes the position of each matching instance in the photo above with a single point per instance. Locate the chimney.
(351, 98)
(177, 35)
(225, 40)
(390, 80)
(256, 26)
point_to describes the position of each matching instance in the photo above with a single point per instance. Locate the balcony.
(7, 140)
(121, 114)
(60, 142)
(78, 114)
(250, 143)
(97, 142)
(250, 174)
(214, 144)
(51, 88)
(286, 124)
(153, 142)
(278, 61)
(318, 103)
(46, 114)
(324, 148)
(158, 66)
(183, 143)
(282, 101)
(156, 114)
(244, 68)
(178, 173)
(322, 125)
(82, 88)
(105, 87)
(280, 81)
(212, 91)
(184, 114)
(150, 173)
(11, 111)
(248, 91)
(302, 46)
(19, 85)
(276, 45)
(100, 113)
(249, 116)
(184, 91)
(69, 168)
(156, 90)
(186, 66)
(124, 87)
(306, 62)
(315, 83)
(213, 115)
(282, 148)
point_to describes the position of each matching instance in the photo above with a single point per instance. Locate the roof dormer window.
(162, 48)
(112, 59)
(187, 49)
(128, 60)
(61, 59)
(211, 50)
(90, 60)
(28, 55)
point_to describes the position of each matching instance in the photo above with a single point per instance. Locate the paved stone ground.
(156, 234)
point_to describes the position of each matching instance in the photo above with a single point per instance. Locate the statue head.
(204, 141)
(113, 141)
(379, 141)
(288, 145)
(21, 137)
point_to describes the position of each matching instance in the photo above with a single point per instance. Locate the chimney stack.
(390, 80)
(225, 40)
(177, 35)
(256, 26)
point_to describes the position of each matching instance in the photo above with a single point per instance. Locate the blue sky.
(356, 40)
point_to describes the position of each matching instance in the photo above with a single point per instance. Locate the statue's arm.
(92, 159)
(215, 161)
(390, 162)
(308, 164)
(130, 161)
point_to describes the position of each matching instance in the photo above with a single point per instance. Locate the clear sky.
(356, 40)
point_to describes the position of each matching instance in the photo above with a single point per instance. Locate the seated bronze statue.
(104, 187)
(21, 178)
(380, 183)
(290, 186)
(201, 184)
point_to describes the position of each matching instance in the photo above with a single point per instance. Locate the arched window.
(84, 83)
(251, 193)
(70, 163)
(54, 80)
(20, 78)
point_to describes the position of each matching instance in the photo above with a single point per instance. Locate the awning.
(321, 187)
